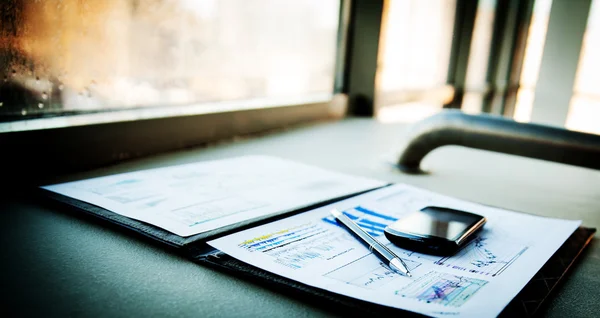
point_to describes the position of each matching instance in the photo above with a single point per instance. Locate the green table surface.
(56, 263)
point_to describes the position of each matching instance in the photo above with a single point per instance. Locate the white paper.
(480, 280)
(199, 197)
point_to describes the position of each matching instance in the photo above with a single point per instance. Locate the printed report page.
(194, 198)
(479, 280)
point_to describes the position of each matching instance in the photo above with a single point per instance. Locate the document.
(194, 198)
(478, 281)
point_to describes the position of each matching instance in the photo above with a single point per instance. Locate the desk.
(57, 263)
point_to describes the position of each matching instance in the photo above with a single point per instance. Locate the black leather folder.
(526, 304)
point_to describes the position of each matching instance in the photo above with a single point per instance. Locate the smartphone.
(434, 230)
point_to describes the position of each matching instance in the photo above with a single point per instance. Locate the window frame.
(507, 51)
(39, 155)
(464, 23)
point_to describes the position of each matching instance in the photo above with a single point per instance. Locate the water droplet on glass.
(40, 105)
(61, 86)
(44, 96)
(23, 112)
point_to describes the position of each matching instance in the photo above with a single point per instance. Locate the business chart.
(371, 221)
(299, 246)
(442, 288)
(368, 272)
(486, 255)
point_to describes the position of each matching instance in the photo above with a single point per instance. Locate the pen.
(392, 260)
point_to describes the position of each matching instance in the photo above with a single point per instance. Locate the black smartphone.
(434, 230)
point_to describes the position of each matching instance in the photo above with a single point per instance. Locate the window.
(72, 56)
(414, 54)
(584, 108)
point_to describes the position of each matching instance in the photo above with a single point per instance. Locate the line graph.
(367, 272)
(442, 288)
(485, 255)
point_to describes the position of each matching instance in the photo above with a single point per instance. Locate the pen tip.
(397, 265)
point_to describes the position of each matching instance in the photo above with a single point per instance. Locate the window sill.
(64, 145)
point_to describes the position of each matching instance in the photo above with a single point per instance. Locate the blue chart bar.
(372, 222)
(375, 214)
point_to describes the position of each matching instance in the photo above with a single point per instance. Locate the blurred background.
(69, 57)
(91, 55)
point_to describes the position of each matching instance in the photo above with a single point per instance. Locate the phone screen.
(440, 222)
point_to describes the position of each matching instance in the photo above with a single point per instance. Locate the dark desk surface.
(56, 263)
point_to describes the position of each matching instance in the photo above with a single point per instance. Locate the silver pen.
(392, 260)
